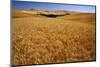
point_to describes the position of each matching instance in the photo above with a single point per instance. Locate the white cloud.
(84, 2)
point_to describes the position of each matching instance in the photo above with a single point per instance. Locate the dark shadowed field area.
(40, 38)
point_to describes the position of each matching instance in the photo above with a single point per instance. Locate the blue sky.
(51, 7)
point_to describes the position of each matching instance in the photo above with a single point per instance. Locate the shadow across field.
(54, 15)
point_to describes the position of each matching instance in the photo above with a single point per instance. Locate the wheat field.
(37, 39)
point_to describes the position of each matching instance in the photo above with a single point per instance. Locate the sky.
(51, 6)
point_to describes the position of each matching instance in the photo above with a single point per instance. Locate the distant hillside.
(37, 13)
